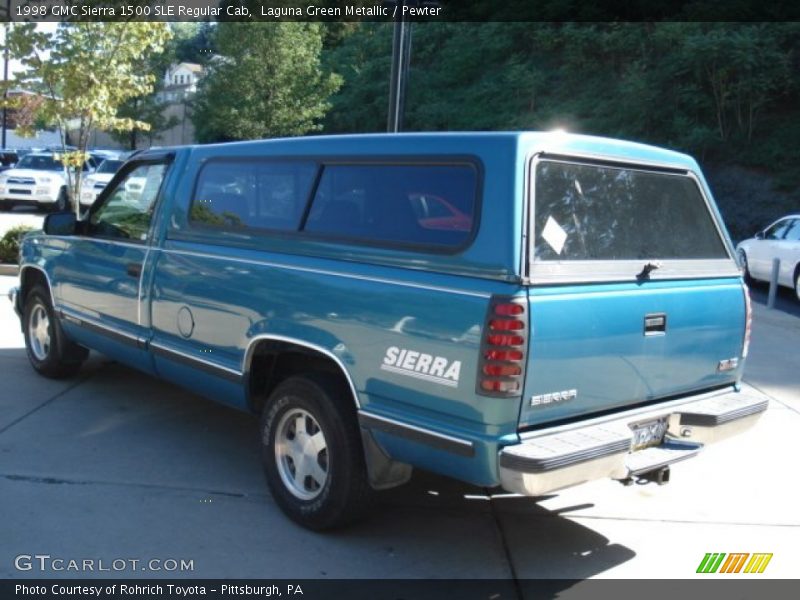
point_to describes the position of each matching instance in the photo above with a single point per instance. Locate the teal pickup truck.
(525, 310)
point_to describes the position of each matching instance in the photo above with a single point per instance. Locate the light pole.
(5, 72)
(401, 56)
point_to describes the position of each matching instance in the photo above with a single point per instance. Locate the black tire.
(745, 267)
(797, 282)
(58, 357)
(345, 494)
(6, 206)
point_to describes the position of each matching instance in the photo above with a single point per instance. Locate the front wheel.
(50, 353)
(312, 453)
(745, 267)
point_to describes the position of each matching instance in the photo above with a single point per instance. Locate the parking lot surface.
(115, 464)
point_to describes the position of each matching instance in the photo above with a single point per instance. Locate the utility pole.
(401, 56)
(6, 24)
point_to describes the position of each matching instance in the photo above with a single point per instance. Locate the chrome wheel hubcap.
(39, 332)
(301, 453)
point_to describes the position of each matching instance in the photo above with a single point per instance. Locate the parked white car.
(38, 178)
(780, 240)
(97, 181)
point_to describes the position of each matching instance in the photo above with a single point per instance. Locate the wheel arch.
(270, 359)
(29, 276)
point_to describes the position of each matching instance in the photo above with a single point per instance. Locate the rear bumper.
(561, 457)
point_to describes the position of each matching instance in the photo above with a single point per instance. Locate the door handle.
(134, 269)
(655, 324)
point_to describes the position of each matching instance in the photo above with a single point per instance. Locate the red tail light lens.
(505, 338)
(503, 355)
(502, 370)
(509, 309)
(506, 325)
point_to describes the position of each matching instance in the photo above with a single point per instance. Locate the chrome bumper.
(561, 457)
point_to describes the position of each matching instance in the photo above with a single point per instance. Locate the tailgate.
(599, 347)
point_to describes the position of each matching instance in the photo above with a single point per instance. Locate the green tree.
(191, 42)
(267, 80)
(147, 113)
(363, 58)
(693, 85)
(85, 72)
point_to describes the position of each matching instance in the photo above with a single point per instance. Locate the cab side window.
(429, 206)
(246, 195)
(128, 210)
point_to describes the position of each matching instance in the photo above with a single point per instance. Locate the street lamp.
(401, 55)
(5, 72)
(401, 58)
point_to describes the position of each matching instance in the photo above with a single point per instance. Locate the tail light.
(748, 322)
(501, 367)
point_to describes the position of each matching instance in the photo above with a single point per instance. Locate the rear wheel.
(797, 282)
(50, 352)
(312, 453)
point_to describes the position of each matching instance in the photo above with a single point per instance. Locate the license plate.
(649, 434)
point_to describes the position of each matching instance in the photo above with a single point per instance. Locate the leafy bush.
(9, 243)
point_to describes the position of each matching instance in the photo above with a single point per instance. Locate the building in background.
(176, 93)
(180, 82)
(179, 88)
(42, 139)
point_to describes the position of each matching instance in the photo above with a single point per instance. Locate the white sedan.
(780, 240)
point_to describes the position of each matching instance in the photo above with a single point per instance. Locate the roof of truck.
(531, 142)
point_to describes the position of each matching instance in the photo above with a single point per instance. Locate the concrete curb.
(9, 269)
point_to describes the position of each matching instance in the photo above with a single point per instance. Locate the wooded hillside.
(727, 93)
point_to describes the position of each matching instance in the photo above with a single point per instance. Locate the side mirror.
(759, 235)
(60, 223)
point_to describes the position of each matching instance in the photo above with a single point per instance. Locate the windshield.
(39, 162)
(109, 166)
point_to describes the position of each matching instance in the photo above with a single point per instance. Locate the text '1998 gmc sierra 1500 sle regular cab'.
(525, 310)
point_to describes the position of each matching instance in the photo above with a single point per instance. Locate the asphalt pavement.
(118, 466)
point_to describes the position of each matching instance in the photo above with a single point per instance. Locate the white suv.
(97, 181)
(38, 178)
